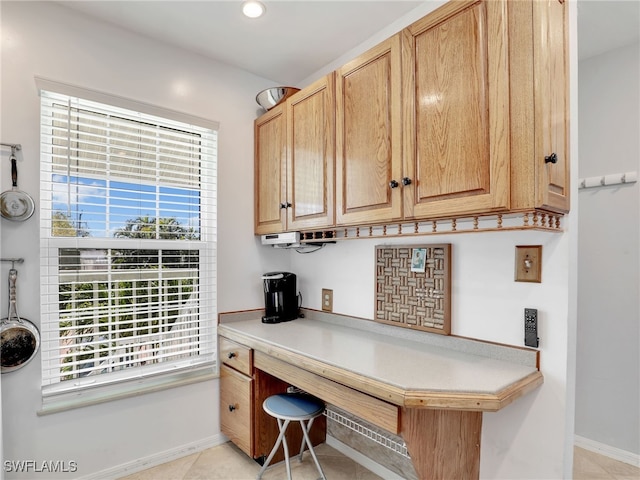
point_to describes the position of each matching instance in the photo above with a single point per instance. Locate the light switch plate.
(528, 263)
(327, 300)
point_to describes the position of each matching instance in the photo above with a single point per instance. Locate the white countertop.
(406, 364)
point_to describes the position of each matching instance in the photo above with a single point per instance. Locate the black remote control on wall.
(531, 327)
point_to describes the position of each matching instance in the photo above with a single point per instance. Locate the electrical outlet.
(327, 300)
(531, 327)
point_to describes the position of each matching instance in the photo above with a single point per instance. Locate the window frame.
(60, 396)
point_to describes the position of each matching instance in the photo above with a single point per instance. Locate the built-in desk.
(431, 389)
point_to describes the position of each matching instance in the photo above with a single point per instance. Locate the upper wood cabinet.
(552, 101)
(270, 156)
(456, 110)
(368, 136)
(295, 161)
(539, 105)
(311, 155)
(463, 112)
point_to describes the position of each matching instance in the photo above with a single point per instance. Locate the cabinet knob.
(285, 205)
(393, 184)
(553, 158)
(231, 355)
(232, 408)
(406, 181)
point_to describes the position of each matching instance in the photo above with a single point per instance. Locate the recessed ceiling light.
(253, 8)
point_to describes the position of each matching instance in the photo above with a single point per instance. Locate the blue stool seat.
(292, 406)
(288, 407)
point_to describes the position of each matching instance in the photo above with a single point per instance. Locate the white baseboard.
(363, 460)
(156, 459)
(607, 450)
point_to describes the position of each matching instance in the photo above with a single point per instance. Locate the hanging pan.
(20, 338)
(15, 204)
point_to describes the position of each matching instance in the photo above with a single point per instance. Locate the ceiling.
(292, 41)
(296, 38)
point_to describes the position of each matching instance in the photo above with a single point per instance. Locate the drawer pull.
(231, 355)
(232, 408)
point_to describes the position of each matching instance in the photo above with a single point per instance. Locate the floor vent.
(380, 438)
(387, 440)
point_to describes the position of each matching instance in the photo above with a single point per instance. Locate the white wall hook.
(606, 180)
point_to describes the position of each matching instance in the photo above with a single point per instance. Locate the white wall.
(50, 41)
(608, 345)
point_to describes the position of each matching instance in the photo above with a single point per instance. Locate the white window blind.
(128, 244)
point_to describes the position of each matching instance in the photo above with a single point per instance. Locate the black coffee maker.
(280, 297)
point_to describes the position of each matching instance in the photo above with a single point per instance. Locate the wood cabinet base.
(443, 443)
(266, 426)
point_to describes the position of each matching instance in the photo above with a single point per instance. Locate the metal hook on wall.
(12, 260)
(607, 180)
(12, 146)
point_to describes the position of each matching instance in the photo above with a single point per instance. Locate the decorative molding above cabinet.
(461, 115)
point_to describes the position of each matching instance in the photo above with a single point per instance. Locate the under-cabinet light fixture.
(253, 8)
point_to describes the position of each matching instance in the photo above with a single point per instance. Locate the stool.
(287, 407)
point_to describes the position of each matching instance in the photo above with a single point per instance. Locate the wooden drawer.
(236, 356)
(235, 408)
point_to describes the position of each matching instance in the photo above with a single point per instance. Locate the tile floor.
(226, 462)
(591, 466)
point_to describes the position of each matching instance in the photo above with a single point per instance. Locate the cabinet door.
(270, 171)
(456, 137)
(236, 408)
(368, 136)
(551, 104)
(311, 156)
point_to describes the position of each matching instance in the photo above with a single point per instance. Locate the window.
(128, 242)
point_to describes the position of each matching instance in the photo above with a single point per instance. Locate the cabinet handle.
(285, 205)
(231, 355)
(553, 158)
(406, 181)
(232, 408)
(393, 184)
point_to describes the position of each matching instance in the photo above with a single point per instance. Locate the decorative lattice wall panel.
(413, 286)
